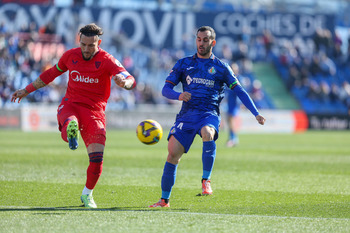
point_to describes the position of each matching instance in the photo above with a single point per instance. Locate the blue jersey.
(206, 80)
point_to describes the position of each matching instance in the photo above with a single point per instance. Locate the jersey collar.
(99, 49)
(212, 56)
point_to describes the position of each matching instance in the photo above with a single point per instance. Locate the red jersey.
(90, 81)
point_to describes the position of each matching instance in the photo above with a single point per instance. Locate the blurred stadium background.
(293, 56)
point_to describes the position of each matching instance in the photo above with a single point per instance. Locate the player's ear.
(213, 43)
(99, 42)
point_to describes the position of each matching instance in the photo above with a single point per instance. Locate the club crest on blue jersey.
(212, 70)
(173, 130)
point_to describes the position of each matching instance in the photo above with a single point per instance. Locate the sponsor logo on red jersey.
(76, 77)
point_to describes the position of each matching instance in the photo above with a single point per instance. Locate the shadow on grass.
(81, 208)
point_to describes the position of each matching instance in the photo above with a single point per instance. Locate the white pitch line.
(172, 212)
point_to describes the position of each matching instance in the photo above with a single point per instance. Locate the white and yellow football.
(149, 132)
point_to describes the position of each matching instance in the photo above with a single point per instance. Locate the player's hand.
(120, 80)
(260, 119)
(19, 94)
(185, 96)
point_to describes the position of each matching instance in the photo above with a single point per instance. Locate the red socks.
(94, 170)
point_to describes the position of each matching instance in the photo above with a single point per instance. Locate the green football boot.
(88, 201)
(73, 134)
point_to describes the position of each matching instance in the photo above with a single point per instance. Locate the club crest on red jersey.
(97, 64)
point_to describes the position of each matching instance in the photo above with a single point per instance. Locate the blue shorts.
(185, 129)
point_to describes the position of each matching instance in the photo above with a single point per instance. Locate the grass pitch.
(269, 183)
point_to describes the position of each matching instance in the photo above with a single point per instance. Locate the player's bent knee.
(207, 133)
(174, 158)
(95, 147)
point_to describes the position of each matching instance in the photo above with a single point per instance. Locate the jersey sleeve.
(174, 76)
(245, 98)
(233, 84)
(49, 75)
(169, 92)
(61, 65)
(115, 67)
(232, 80)
(171, 81)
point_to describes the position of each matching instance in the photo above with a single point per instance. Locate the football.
(149, 132)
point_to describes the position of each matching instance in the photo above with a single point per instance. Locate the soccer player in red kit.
(91, 70)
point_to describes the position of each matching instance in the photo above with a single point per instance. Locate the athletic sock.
(168, 179)
(208, 158)
(232, 135)
(166, 200)
(87, 191)
(94, 170)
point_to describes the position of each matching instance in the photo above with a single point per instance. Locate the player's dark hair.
(91, 30)
(208, 28)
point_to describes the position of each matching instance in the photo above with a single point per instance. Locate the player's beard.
(205, 52)
(90, 57)
(87, 58)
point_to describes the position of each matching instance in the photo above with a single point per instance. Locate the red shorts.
(92, 123)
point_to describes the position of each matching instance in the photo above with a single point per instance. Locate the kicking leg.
(69, 130)
(175, 150)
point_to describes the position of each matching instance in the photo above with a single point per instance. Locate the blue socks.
(233, 136)
(168, 179)
(208, 158)
(169, 172)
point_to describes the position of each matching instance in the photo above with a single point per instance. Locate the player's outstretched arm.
(261, 120)
(128, 83)
(248, 102)
(21, 93)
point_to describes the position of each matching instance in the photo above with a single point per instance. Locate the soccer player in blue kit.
(204, 79)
